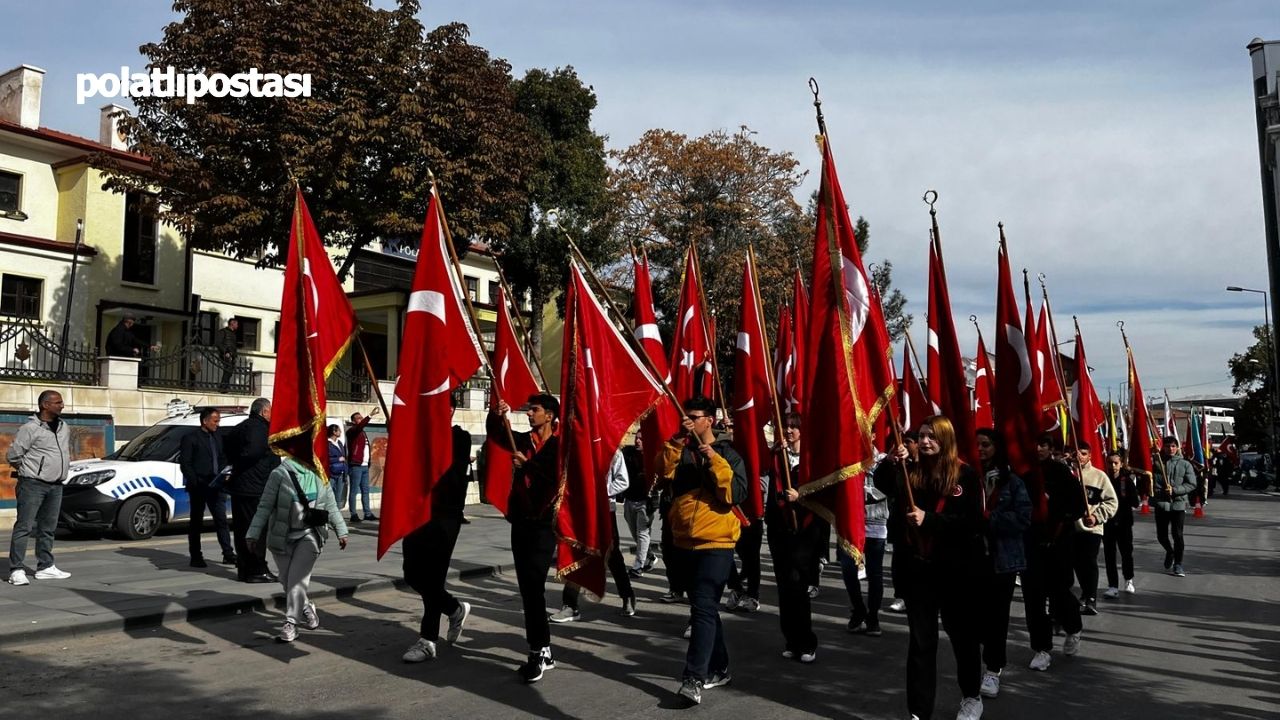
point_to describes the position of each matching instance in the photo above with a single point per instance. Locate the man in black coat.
(121, 342)
(201, 457)
(251, 462)
(228, 348)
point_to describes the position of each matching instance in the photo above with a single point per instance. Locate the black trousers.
(931, 590)
(795, 561)
(674, 560)
(1223, 479)
(427, 553)
(1170, 522)
(1085, 548)
(748, 580)
(1117, 537)
(248, 563)
(533, 549)
(216, 502)
(1046, 588)
(995, 619)
(617, 568)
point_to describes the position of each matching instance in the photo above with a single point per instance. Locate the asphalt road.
(1204, 646)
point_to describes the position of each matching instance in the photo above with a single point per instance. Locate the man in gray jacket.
(1173, 480)
(41, 458)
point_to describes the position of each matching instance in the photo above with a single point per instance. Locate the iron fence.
(197, 367)
(31, 353)
(346, 385)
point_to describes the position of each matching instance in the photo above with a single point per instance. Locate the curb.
(74, 627)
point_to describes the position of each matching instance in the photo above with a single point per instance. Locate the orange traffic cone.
(1199, 511)
(1146, 508)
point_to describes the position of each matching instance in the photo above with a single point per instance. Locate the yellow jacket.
(703, 497)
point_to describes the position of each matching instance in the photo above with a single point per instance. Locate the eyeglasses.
(695, 418)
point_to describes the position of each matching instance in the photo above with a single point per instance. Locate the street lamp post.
(1272, 367)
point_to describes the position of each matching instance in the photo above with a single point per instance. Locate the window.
(139, 262)
(10, 185)
(275, 339)
(247, 333)
(206, 331)
(20, 296)
(473, 288)
(493, 293)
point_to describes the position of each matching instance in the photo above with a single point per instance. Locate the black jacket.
(251, 457)
(227, 344)
(200, 461)
(535, 485)
(954, 529)
(450, 493)
(1127, 495)
(637, 484)
(121, 342)
(1065, 502)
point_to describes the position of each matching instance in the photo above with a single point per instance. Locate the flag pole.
(706, 329)
(1062, 382)
(373, 379)
(911, 348)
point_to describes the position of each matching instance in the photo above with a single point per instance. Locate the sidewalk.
(121, 585)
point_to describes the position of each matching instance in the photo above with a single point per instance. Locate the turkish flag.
(1140, 447)
(1052, 398)
(784, 364)
(605, 389)
(317, 325)
(752, 399)
(664, 422)
(947, 387)
(915, 406)
(691, 346)
(513, 382)
(1015, 402)
(439, 351)
(800, 334)
(1089, 420)
(849, 381)
(982, 382)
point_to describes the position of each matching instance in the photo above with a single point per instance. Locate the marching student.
(428, 551)
(941, 539)
(794, 536)
(531, 512)
(1008, 509)
(707, 479)
(1089, 528)
(1174, 480)
(878, 498)
(1117, 533)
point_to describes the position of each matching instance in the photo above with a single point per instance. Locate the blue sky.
(1115, 140)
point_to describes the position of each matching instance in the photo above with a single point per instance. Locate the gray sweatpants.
(295, 567)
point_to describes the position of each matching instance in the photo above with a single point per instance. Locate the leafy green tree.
(568, 173)
(388, 103)
(1251, 374)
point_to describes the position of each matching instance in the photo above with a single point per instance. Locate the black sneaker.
(355, 518)
(198, 562)
(1090, 607)
(229, 559)
(671, 597)
(1168, 559)
(690, 691)
(533, 668)
(873, 629)
(716, 679)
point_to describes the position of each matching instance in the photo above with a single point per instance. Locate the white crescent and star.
(432, 303)
(1016, 339)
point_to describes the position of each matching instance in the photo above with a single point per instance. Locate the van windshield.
(158, 442)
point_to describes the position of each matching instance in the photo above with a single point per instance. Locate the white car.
(138, 488)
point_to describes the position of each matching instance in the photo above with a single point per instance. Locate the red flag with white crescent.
(664, 421)
(1015, 402)
(915, 406)
(947, 387)
(752, 402)
(513, 382)
(691, 347)
(439, 351)
(1140, 446)
(982, 383)
(1088, 418)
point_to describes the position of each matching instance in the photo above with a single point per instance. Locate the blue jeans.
(358, 477)
(708, 574)
(338, 483)
(38, 506)
(874, 554)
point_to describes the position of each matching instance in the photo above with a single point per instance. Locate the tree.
(568, 173)
(387, 104)
(1251, 374)
(723, 192)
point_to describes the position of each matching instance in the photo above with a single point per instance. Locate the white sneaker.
(19, 577)
(1071, 645)
(456, 621)
(898, 606)
(52, 573)
(1129, 588)
(311, 618)
(420, 651)
(970, 709)
(749, 604)
(734, 601)
(1112, 593)
(566, 614)
(1041, 661)
(688, 632)
(288, 633)
(990, 684)
(809, 657)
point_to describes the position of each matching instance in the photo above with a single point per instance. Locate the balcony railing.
(30, 353)
(196, 367)
(348, 386)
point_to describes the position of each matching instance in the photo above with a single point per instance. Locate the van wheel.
(139, 518)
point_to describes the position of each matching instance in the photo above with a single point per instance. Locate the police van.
(139, 488)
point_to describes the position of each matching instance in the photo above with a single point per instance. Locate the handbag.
(311, 517)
